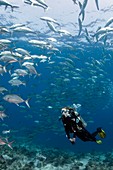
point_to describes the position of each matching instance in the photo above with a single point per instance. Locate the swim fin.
(98, 141)
(102, 133)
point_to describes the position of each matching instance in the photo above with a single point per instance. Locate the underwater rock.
(29, 166)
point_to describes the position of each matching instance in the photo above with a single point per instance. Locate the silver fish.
(2, 69)
(2, 115)
(22, 51)
(51, 27)
(83, 12)
(48, 19)
(13, 98)
(8, 59)
(109, 22)
(6, 4)
(83, 7)
(42, 3)
(6, 132)
(5, 41)
(80, 26)
(3, 89)
(23, 29)
(103, 31)
(32, 69)
(16, 82)
(21, 72)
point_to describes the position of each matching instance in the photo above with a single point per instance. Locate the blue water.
(93, 92)
(47, 132)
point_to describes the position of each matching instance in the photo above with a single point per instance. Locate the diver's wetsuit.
(84, 135)
(69, 126)
(77, 129)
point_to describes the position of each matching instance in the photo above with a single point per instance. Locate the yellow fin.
(102, 134)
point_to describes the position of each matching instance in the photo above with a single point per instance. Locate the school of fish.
(53, 68)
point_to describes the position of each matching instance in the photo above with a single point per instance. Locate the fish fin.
(26, 101)
(23, 83)
(20, 62)
(37, 75)
(1, 118)
(5, 7)
(11, 33)
(12, 8)
(17, 104)
(9, 144)
(97, 5)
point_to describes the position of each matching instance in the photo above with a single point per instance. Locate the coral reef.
(27, 158)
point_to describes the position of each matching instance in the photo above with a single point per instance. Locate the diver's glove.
(98, 141)
(60, 118)
(72, 140)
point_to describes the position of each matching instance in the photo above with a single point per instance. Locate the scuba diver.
(75, 127)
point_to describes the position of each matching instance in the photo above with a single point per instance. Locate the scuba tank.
(79, 118)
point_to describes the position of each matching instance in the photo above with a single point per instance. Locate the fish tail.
(12, 7)
(37, 75)
(46, 9)
(4, 68)
(5, 7)
(10, 144)
(32, 4)
(26, 101)
(24, 83)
